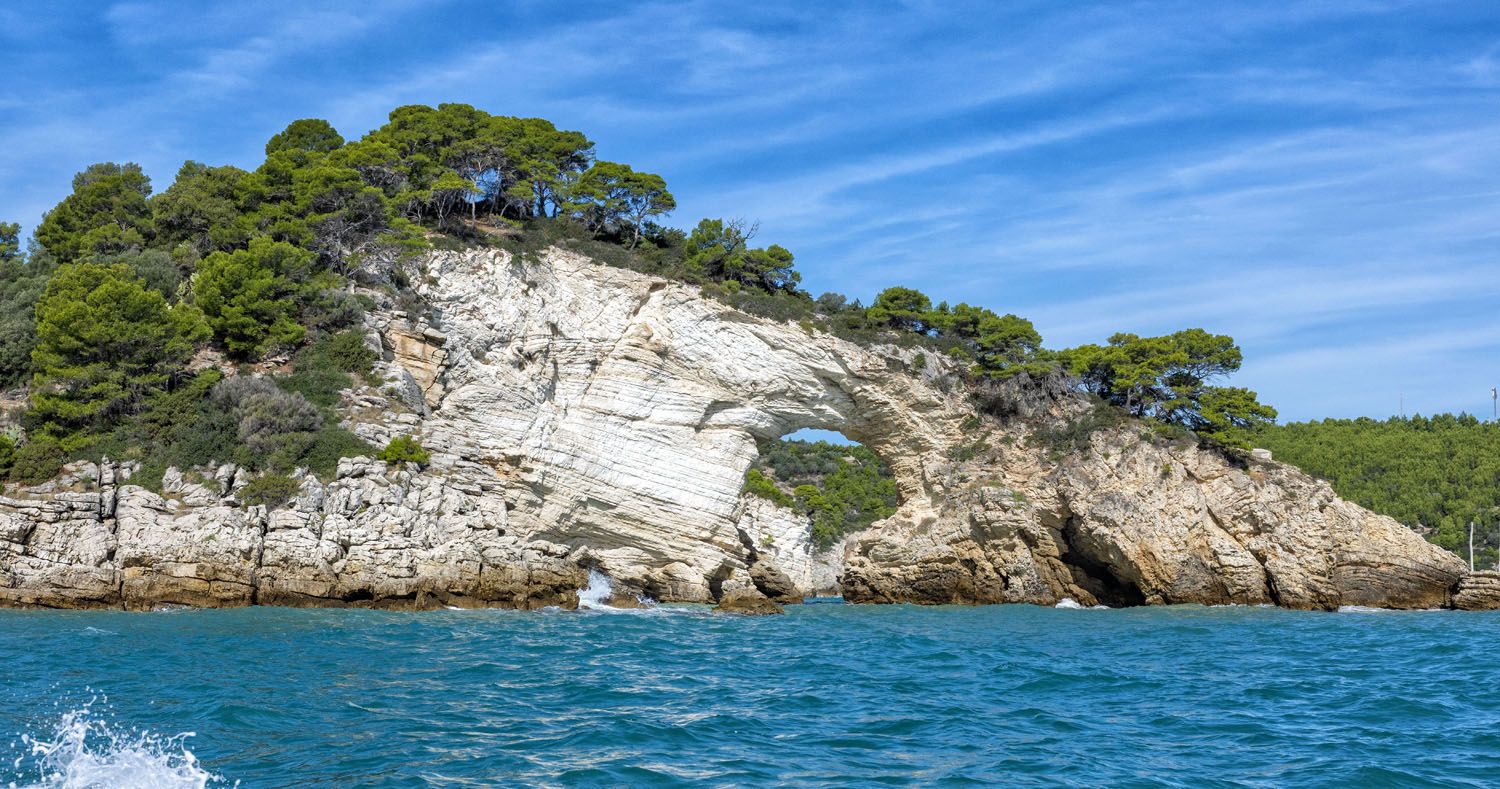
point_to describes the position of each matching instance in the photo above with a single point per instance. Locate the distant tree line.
(1436, 474)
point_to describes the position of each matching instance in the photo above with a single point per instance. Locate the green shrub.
(348, 351)
(326, 447)
(267, 419)
(1075, 436)
(271, 490)
(345, 351)
(7, 454)
(966, 452)
(760, 485)
(150, 474)
(319, 385)
(37, 461)
(405, 449)
(322, 370)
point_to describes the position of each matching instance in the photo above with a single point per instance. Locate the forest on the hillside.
(1435, 474)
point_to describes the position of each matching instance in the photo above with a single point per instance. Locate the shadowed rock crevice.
(1094, 574)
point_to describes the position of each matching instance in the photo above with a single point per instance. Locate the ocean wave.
(596, 596)
(1071, 604)
(83, 751)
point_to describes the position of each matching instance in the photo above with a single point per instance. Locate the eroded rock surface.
(375, 536)
(748, 602)
(1479, 591)
(1132, 522)
(581, 416)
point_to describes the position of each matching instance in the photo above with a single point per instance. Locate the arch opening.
(805, 492)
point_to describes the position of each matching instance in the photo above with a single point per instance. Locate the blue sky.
(1320, 180)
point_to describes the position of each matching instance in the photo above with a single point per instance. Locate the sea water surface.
(826, 695)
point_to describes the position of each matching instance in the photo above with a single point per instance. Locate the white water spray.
(596, 597)
(1068, 602)
(599, 590)
(84, 751)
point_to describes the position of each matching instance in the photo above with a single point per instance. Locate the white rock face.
(622, 411)
(785, 536)
(583, 417)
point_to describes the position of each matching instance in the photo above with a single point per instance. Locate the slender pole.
(1471, 546)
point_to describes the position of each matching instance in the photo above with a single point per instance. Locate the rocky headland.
(582, 417)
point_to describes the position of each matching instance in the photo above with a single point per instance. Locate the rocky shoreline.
(584, 418)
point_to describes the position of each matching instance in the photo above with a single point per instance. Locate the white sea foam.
(1362, 609)
(592, 597)
(595, 596)
(1070, 603)
(84, 751)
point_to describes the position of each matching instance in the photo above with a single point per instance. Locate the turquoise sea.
(832, 695)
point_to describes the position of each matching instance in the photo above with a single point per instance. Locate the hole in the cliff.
(1096, 576)
(358, 596)
(716, 581)
(841, 486)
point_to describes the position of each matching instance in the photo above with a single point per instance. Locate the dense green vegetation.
(121, 289)
(843, 488)
(405, 449)
(1436, 474)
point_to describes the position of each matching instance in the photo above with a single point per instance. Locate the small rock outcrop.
(580, 416)
(1478, 591)
(748, 602)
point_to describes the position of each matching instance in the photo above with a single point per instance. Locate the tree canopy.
(108, 211)
(1167, 379)
(902, 308)
(105, 343)
(251, 296)
(720, 250)
(314, 135)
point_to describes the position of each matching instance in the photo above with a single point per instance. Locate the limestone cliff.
(584, 417)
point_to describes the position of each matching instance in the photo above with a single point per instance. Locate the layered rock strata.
(590, 418)
(1479, 591)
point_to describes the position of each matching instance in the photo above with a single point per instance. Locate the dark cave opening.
(1096, 576)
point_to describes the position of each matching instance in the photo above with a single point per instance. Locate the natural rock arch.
(629, 408)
